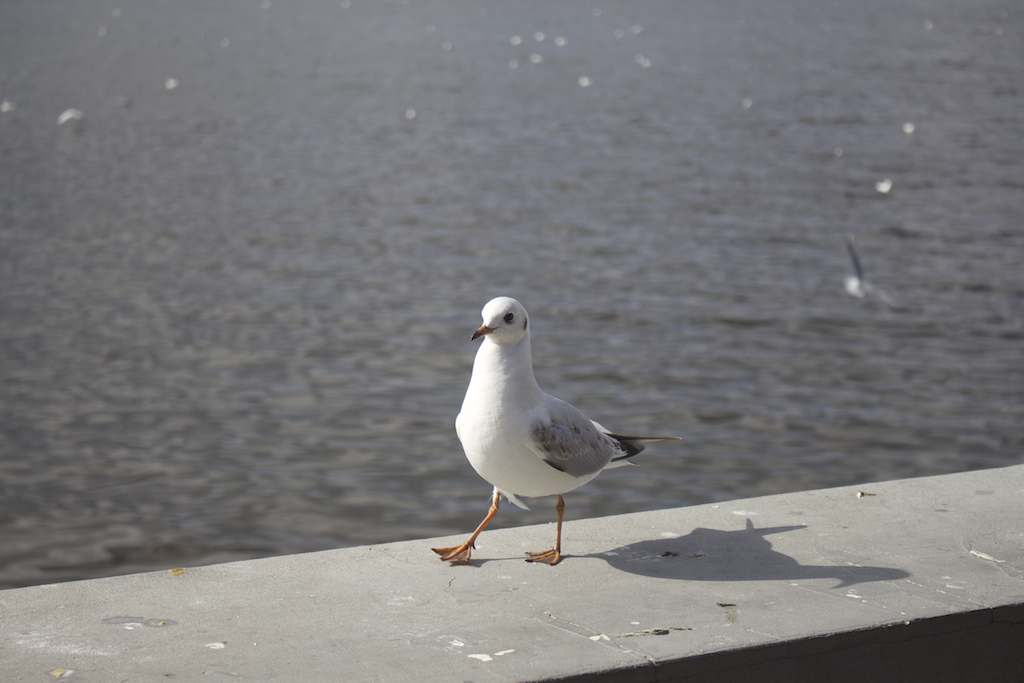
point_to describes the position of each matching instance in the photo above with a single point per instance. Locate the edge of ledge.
(923, 578)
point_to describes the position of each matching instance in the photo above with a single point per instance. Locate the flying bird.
(858, 285)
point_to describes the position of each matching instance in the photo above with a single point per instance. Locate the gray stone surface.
(921, 576)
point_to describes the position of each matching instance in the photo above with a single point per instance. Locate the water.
(235, 314)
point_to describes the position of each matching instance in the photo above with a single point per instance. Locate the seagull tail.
(512, 498)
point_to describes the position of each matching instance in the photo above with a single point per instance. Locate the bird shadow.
(740, 555)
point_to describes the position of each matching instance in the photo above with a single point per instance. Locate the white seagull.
(858, 285)
(521, 440)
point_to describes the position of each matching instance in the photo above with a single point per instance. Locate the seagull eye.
(509, 317)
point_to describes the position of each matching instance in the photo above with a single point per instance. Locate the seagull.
(521, 440)
(858, 285)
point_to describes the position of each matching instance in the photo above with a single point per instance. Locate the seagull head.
(505, 321)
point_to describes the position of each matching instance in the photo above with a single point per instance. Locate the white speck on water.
(482, 658)
(560, 41)
(585, 82)
(69, 115)
(517, 40)
(883, 186)
(908, 127)
(172, 83)
(536, 58)
(539, 36)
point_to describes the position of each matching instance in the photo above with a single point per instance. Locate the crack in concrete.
(762, 633)
(1009, 568)
(599, 637)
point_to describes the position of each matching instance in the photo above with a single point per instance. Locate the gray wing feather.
(571, 443)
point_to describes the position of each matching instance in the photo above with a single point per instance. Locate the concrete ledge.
(921, 580)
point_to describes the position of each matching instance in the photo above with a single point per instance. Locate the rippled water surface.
(235, 313)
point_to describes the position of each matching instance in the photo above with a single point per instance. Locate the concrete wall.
(922, 580)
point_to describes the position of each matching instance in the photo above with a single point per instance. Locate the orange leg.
(554, 555)
(460, 553)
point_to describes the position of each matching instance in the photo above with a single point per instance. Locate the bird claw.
(458, 554)
(550, 557)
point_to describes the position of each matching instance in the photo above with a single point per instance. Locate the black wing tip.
(854, 257)
(644, 439)
(630, 448)
(632, 445)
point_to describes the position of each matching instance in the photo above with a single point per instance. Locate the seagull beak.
(484, 330)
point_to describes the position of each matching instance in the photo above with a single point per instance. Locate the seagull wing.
(566, 439)
(854, 258)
